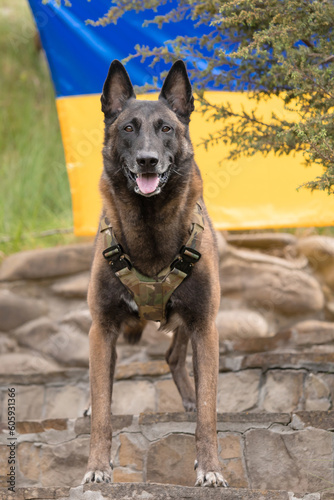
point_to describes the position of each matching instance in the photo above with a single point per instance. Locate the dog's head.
(147, 143)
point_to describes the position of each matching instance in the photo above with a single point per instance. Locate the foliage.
(34, 190)
(281, 48)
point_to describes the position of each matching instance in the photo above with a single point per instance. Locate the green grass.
(34, 188)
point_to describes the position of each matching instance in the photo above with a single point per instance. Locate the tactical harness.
(152, 294)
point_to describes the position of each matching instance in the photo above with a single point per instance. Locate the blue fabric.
(79, 55)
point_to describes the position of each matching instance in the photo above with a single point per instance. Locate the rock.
(283, 391)
(308, 359)
(298, 460)
(152, 419)
(251, 256)
(316, 393)
(132, 451)
(329, 310)
(69, 347)
(47, 263)
(318, 419)
(129, 353)
(81, 319)
(16, 310)
(34, 427)
(152, 336)
(66, 402)
(234, 473)
(230, 446)
(143, 490)
(171, 460)
(24, 363)
(168, 396)
(56, 377)
(124, 475)
(260, 344)
(29, 402)
(238, 391)
(158, 350)
(328, 379)
(269, 284)
(314, 332)
(28, 459)
(72, 288)
(230, 453)
(240, 324)
(264, 241)
(64, 464)
(3, 468)
(133, 397)
(7, 344)
(326, 274)
(221, 244)
(319, 251)
(148, 368)
(118, 422)
(35, 333)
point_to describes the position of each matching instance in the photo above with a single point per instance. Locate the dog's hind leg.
(176, 359)
(102, 362)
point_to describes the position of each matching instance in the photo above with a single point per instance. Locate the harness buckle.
(114, 255)
(113, 251)
(186, 259)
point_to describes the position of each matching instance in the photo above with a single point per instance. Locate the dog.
(155, 258)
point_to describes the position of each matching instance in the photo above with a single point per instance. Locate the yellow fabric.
(250, 193)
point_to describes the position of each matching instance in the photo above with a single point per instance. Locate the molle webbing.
(152, 294)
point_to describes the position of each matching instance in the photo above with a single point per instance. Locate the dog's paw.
(189, 406)
(210, 479)
(97, 476)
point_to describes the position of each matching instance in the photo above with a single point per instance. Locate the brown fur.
(151, 231)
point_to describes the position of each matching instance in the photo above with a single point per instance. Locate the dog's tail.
(132, 331)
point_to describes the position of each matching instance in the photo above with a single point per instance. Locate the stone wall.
(276, 379)
(268, 381)
(125, 491)
(270, 282)
(259, 451)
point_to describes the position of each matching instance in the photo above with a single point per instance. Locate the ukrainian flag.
(255, 192)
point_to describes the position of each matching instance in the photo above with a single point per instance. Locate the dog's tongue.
(147, 183)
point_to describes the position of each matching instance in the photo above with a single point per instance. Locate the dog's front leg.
(205, 358)
(102, 360)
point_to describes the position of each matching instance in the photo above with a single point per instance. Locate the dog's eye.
(165, 128)
(128, 128)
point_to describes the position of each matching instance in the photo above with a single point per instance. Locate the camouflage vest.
(152, 294)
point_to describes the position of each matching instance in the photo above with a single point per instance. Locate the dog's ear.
(117, 89)
(176, 90)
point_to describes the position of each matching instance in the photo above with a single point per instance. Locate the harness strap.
(152, 294)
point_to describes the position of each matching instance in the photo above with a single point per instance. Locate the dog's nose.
(147, 161)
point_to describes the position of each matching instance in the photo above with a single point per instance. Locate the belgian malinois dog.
(156, 237)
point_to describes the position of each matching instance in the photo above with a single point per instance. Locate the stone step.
(262, 451)
(273, 381)
(119, 491)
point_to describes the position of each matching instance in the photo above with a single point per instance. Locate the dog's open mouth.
(148, 184)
